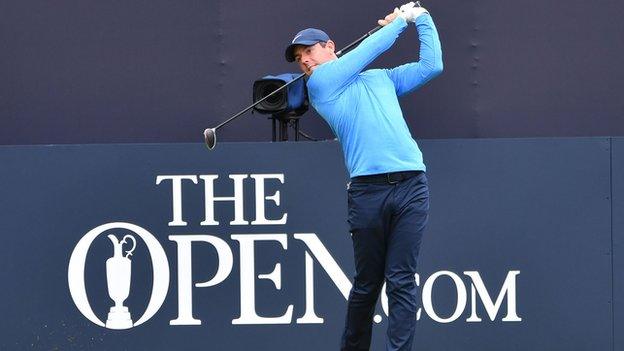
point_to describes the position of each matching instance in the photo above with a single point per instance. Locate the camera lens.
(276, 99)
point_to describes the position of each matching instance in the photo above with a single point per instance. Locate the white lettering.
(210, 199)
(327, 262)
(508, 289)
(176, 192)
(247, 280)
(461, 297)
(309, 317)
(185, 273)
(260, 198)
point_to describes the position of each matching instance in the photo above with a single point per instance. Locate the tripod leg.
(274, 126)
(285, 130)
(296, 130)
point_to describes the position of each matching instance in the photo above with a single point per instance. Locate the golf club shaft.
(348, 47)
(259, 101)
(339, 53)
(368, 34)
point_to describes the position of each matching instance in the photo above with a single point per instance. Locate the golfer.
(388, 195)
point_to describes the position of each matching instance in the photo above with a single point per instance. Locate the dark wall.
(161, 71)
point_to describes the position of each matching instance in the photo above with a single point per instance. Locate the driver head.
(210, 138)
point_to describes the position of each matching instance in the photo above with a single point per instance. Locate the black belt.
(386, 178)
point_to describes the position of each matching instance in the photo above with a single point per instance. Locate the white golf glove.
(409, 12)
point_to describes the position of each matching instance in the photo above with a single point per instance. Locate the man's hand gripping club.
(408, 12)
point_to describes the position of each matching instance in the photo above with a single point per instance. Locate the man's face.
(309, 57)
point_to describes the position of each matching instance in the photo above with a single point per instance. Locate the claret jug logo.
(118, 270)
(118, 273)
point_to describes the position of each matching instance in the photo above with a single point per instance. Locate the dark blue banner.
(617, 215)
(114, 247)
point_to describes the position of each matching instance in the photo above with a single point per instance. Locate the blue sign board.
(172, 246)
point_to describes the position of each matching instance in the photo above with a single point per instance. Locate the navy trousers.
(387, 223)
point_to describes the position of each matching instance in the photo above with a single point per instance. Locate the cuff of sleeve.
(425, 17)
(398, 23)
(401, 20)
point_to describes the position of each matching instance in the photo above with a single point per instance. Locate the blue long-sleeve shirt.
(362, 108)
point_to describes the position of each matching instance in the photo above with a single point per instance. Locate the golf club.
(210, 134)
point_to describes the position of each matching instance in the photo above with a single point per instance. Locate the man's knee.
(367, 291)
(401, 284)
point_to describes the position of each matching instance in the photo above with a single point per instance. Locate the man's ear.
(331, 45)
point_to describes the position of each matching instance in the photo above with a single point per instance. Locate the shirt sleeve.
(413, 75)
(343, 70)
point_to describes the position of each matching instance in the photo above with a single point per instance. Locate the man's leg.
(411, 201)
(367, 232)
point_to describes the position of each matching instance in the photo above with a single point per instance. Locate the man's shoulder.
(319, 76)
(374, 72)
(321, 79)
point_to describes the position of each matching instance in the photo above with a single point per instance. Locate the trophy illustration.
(118, 269)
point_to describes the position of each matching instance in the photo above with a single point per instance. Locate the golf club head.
(210, 137)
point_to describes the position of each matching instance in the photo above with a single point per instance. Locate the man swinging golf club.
(388, 194)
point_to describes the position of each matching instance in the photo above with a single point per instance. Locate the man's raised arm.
(415, 74)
